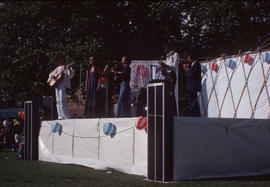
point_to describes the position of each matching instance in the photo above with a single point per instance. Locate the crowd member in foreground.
(19, 135)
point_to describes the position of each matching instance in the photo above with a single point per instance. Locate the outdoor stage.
(231, 139)
(203, 148)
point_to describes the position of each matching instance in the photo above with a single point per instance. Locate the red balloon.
(142, 123)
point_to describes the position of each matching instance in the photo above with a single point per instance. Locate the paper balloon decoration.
(142, 123)
(266, 57)
(248, 59)
(56, 127)
(214, 66)
(109, 129)
(230, 63)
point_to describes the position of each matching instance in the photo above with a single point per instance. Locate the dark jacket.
(192, 78)
(126, 73)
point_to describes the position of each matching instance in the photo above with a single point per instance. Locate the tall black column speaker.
(160, 132)
(47, 106)
(31, 129)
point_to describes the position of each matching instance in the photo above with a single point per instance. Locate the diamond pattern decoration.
(240, 92)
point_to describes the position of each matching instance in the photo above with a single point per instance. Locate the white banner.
(141, 72)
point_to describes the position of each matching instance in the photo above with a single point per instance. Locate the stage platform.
(83, 142)
(203, 148)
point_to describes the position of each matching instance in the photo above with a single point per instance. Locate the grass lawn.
(15, 172)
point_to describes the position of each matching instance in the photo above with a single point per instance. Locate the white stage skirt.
(83, 142)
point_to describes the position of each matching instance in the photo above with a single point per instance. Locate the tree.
(32, 33)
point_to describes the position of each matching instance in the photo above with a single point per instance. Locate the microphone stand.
(80, 91)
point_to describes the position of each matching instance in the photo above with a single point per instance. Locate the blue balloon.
(109, 129)
(266, 57)
(56, 127)
(230, 63)
(113, 131)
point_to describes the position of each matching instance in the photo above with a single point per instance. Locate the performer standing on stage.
(61, 76)
(192, 85)
(109, 73)
(123, 107)
(169, 69)
(92, 85)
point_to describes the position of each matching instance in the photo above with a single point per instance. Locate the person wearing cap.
(192, 85)
(169, 69)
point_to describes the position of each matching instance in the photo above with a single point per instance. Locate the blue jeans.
(123, 107)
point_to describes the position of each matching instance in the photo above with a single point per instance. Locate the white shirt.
(172, 60)
(68, 74)
(192, 63)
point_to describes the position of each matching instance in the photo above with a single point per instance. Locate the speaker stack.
(160, 132)
(47, 106)
(31, 129)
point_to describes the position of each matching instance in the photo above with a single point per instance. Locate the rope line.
(95, 137)
(264, 46)
(229, 78)
(246, 89)
(264, 42)
(213, 89)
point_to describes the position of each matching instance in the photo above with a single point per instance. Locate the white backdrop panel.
(83, 142)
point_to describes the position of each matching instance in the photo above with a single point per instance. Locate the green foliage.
(233, 25)
(32, 33)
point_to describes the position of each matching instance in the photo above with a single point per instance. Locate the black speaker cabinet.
(47, 106)
(160, 132)
(31, 129)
